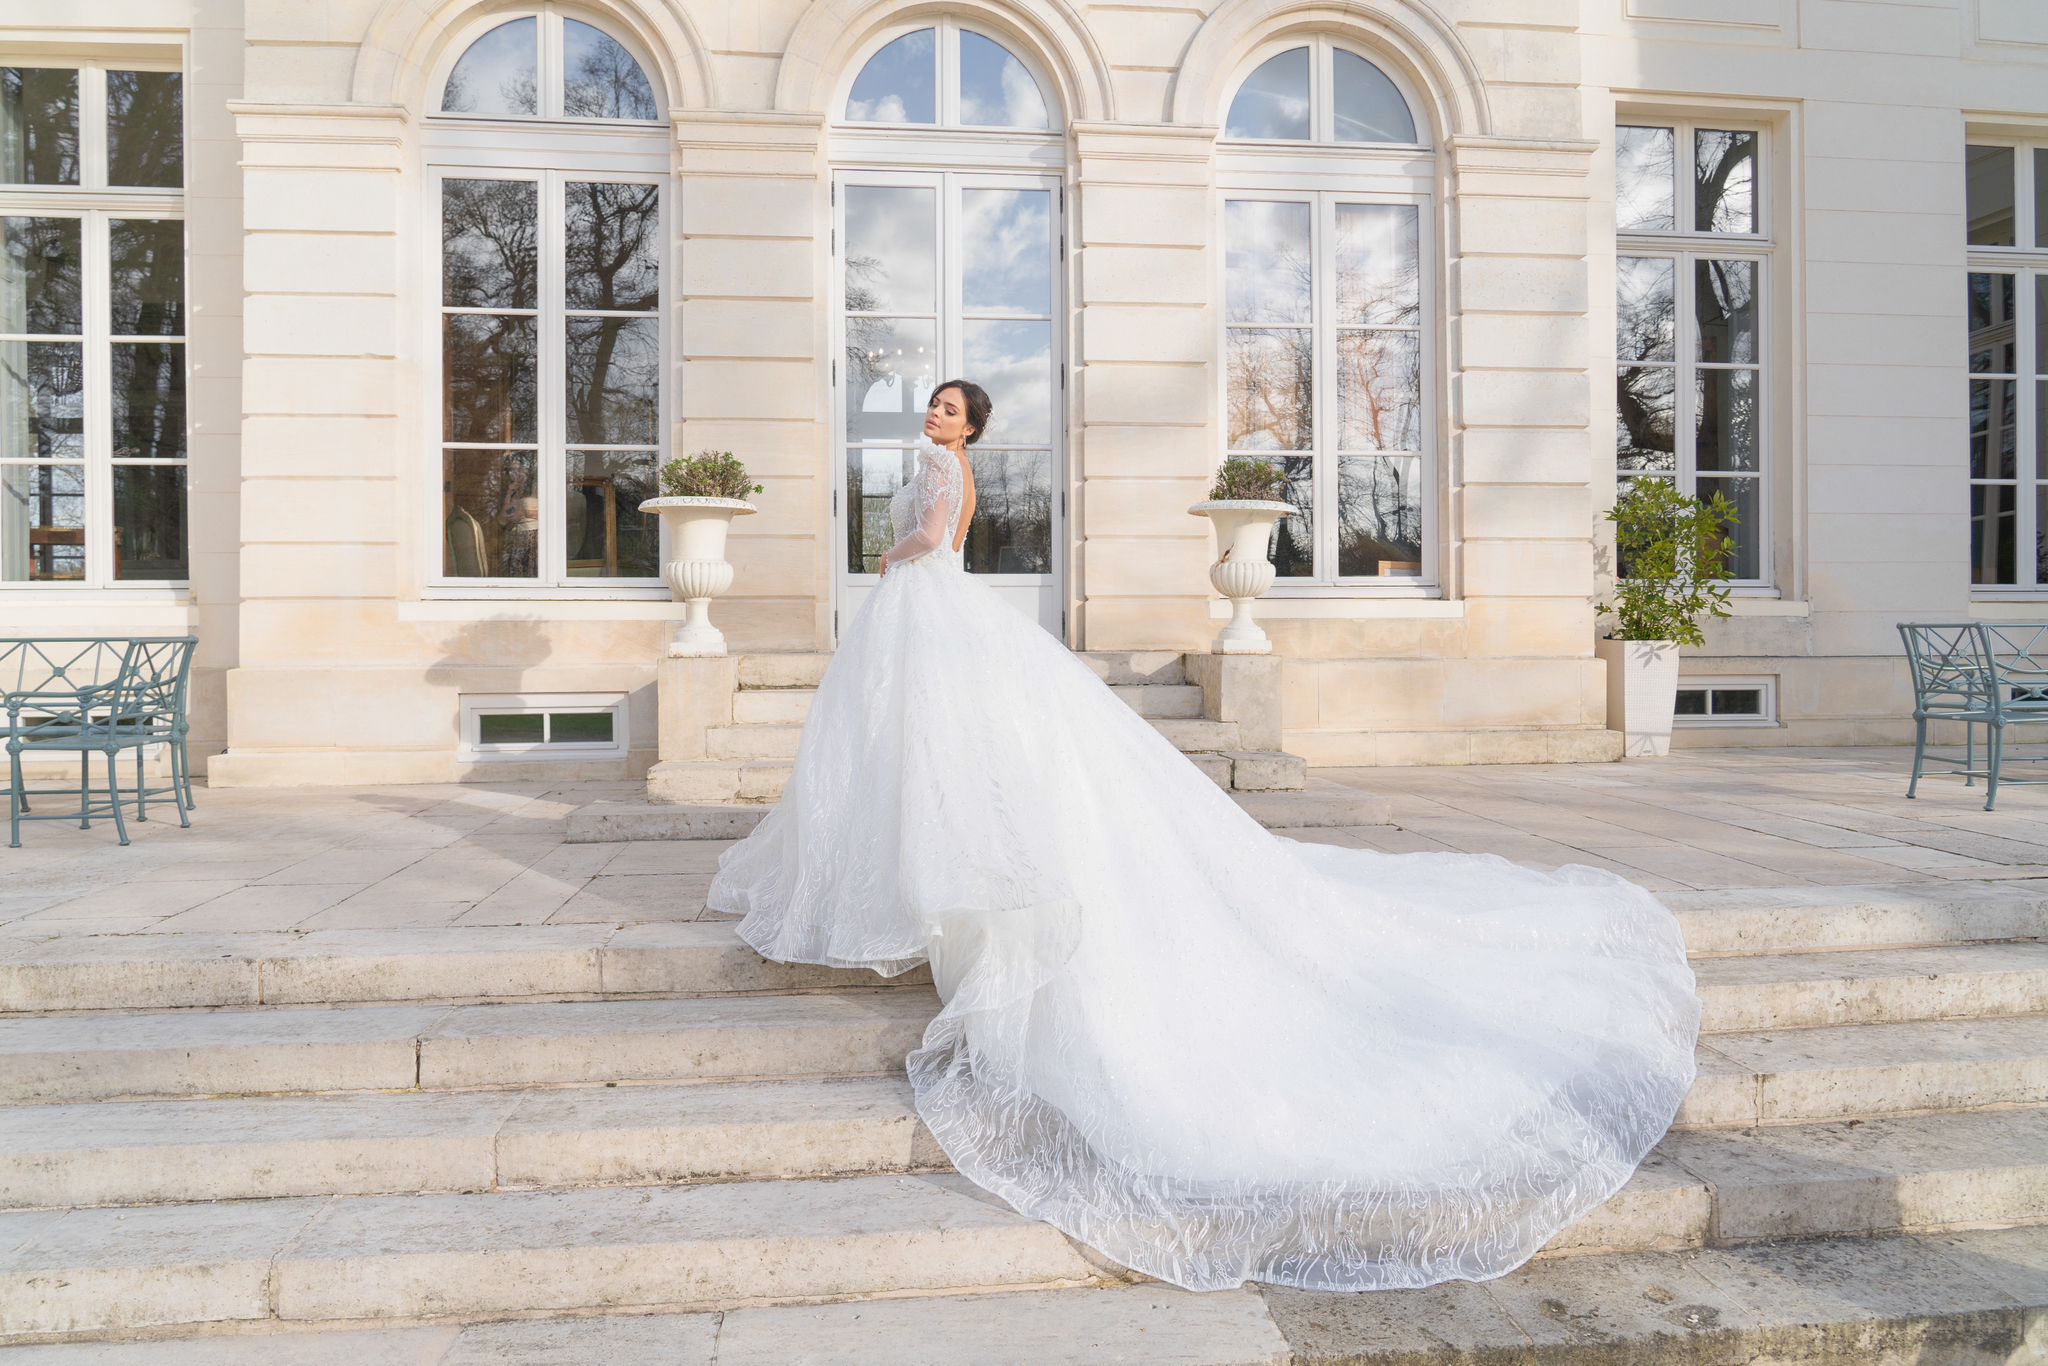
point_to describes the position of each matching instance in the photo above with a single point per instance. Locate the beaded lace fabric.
(1210, 1051)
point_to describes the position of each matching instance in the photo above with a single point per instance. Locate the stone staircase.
(642, 1143)
(748, 758)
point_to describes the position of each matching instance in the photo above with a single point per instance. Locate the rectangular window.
(545, 726)
(1692, 267)
(93, 431)
(2008, 312)
(1324, 344)
(552, 357)
(1727, 702)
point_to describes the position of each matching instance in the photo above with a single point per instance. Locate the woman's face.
(945, 418)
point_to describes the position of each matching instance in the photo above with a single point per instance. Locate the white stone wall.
(314, 446)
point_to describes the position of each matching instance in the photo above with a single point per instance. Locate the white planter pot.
(1241, 572)
(697, 570)
(1642, 689)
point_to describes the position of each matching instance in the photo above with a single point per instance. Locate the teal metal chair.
(1993, 675)
(95, 695)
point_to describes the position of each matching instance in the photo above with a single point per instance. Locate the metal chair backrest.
(2018, 652)
(1953, 669)
(151, 685)
(57, 666)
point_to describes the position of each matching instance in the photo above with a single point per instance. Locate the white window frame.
(476, 705)
(1684, 246)
(2026, 265)
(550, 152)
(1326, 174)
(550, 55)
(93, 202)
(1764, 684)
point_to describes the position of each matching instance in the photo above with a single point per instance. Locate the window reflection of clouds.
(600, 79)
(1267, 261)
(891, 249)
(1368, 107)
(995, 88)
(498, 74)
(1013, 361)
(1273, 101)
(1379, 277)
(1008, 270)
(899, 84)
(1645, 179)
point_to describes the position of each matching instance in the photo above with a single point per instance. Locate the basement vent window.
(544, 726)
(1727, 702)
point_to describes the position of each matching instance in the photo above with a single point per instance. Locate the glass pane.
(608, 535)
(38, 125)
(1690, 702)
(1006, 236)
(1645, 179)
(1645, 308)
(1989, 195)
(2041, 196)
(890, 364)
(146, 128)
(147, 281)
(995, 89)
(898, 85)
(613, 373)
(2041, 524)
(1724, 420)
(612, 245)
(1379, 515)
(1268, 264)
(1379, 274)
(1738, 702)
(1994, 428)
(1273, 101)
(149, 400)
(2041, 328)
(1368, 106)
(42, 400)
(1011, 530)
(1724, 297)
(491, 517)
(1994, 523)
(1292, 548)
(872, 478)
(1646, 418)
(1013, 361)
(498, 75)
(1379, 391)
(149, 522)
(42, 523)
(39, 276)
(892, 249)
(487, 379)
(1724, 181)
(502, 728)
(1268, 396)
(1747, 561)
(600, 79)
(1994, 344)
(579, 727)
(489, 243)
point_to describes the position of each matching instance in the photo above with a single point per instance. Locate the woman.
(1212, 1052)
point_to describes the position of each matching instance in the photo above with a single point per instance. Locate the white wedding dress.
(1212, 1052)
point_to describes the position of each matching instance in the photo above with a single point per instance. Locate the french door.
(947, 275)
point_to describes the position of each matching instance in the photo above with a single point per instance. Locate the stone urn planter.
(1244, 528)
(697, 570)
(1642, 690)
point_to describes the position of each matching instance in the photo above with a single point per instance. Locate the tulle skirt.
(1212, 1052)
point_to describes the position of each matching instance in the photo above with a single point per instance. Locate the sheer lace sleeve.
(932, 502)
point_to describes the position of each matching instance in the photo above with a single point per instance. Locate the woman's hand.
(885, 562)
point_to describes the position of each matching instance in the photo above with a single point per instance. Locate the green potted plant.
(701, 494)
(1243, 504)
(1671, 553)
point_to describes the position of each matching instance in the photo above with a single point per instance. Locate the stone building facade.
(455, 275)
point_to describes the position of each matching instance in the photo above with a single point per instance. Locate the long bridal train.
(1212, 1052)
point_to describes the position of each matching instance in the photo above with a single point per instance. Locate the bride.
(1212, 1052)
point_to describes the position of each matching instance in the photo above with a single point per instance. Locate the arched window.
(948, 76)
(948, 249)
(553, 334)
(1328, 319)
(1319, 92)
(548, 65)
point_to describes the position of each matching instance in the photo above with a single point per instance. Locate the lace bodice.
(924, 513)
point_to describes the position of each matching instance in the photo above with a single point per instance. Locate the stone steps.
(1700, 1187)
(791, 706)
(1935, 1299)
(1752, 920)
(207, 1267)
(1809, 990)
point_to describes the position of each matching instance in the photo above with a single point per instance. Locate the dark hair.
(979, 407)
